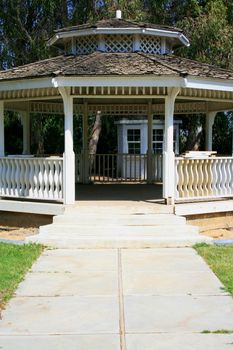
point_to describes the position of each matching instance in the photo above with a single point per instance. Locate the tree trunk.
(194, 135)
(95, 134)
(95, 137)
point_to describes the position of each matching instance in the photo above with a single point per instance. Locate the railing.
(204, 178)
(118, 168)
(31, 178)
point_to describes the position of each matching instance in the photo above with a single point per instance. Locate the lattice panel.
(150, 44)
(86, 44)
(119, 43)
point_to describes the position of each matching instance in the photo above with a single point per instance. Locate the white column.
(26, 132)
(149, 142)
(168, 153)
(210, 117)
(85, 145)
(68, 156)
(2, 139)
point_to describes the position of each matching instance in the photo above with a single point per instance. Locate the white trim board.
(31, 207)
(118, 81)
(197, 208)
(101, 31)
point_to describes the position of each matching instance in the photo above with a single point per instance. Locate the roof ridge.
(155, 59)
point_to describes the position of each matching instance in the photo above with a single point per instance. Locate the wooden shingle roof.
(118, 23)
(115, 64)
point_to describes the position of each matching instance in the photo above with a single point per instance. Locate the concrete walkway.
(118, 299)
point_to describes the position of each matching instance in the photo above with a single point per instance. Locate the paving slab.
(179, 341)
(171, 283)
(80, 283)
(78, 299)
(178, 313)
(179, 259)
(68, 260)
(61, 315)
(61, 342)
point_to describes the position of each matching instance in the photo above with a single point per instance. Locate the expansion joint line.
(121, 304)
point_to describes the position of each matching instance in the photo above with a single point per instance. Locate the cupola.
(118, 35)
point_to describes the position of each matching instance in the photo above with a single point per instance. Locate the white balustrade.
(31, 178)
(204, 178)
(119, 167)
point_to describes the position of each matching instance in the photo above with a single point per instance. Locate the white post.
(26, 132)
(2, 140)
(68, 156)
(149, 143)
(85, 145)
(168, 153)
(210, 117)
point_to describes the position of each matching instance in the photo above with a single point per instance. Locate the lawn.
(15, 261)
(220, 260)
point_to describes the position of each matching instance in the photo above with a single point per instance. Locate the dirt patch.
(17, 226)
(10, 219)
(17, 233)
(217, 225)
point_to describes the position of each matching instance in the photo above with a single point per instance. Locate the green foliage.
(222, 133)
(210, 34)
(220, 259)
(15, 261)
(13, 133)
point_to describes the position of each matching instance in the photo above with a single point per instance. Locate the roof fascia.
(36, 83)
(150, 31)
(113, 81)
(209, 84)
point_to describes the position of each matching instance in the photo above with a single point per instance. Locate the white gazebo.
(117, 68)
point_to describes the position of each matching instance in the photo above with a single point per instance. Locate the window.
(158, 140)
(134, 141)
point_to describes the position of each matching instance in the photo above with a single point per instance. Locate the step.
(128, 220)
(65, 229)
(111, 242)
(120, 208)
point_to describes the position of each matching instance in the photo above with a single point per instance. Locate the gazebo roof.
(119, 26)
(118, 23)
(116, 64)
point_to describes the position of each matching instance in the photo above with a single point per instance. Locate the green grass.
(220, 260)
(15, 261)
(218, 331)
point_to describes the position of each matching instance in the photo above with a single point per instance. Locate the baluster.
(214, 177)
(12, 180)
(3, 176)
(50, 166)
(230, 162)
(55, 179)
(225, 178)
(9, 181)
(186, 176)
(36, 171)
(22, 177)
(61, 162)
(219, 177)
(26, 177)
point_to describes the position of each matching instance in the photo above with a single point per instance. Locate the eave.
(100, 31)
